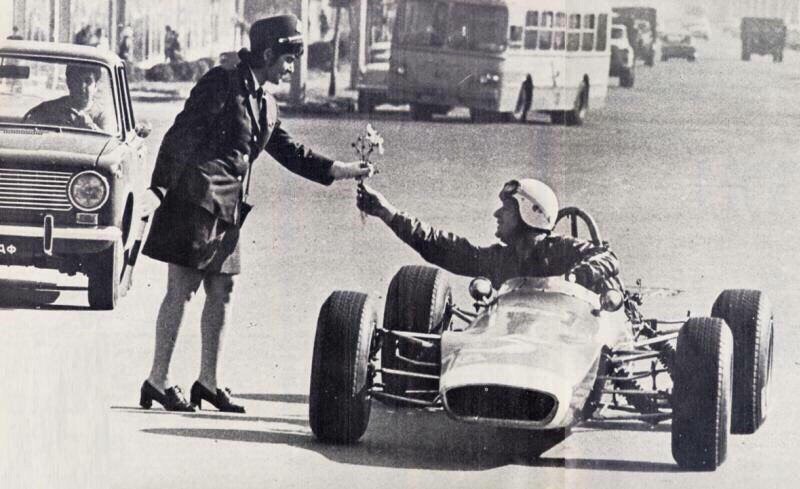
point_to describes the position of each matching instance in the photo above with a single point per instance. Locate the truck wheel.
(418, 301)
(366, 104)
(626, 78)
(749, 316)
(649, 60)
(777, 57)
(421, 112)
(105, 272)
(745, 55)
(339, 404)
(701, 396)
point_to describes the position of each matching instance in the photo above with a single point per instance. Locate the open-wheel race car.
(544, 354)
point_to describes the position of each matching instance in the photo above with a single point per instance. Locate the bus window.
(515, 37)
(480, 28)
(547, 19)
(574, 35)
(588, 33)
(545, 39)
(559, 36)
(602, 28)
(531, 31)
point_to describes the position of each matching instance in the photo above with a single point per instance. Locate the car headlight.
(487, 78)
(88, 190)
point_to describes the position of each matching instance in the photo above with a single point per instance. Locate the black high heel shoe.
(172, 399)
(220, 400)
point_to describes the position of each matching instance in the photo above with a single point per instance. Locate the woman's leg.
(182, 283)
(216, 315)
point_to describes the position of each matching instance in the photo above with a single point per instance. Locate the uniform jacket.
(205, 155)
(538, 255)
(203, 162)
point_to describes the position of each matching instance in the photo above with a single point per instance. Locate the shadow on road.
(290, 398)
(20, 294)
(415, 439)
(402, 116)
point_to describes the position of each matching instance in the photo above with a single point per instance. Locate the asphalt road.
(691, 175)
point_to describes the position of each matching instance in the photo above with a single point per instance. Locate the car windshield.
(57, 93)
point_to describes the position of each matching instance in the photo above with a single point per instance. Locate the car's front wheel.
(104, 271)
(339, 403)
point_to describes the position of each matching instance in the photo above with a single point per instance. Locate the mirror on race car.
(481, 290)
(611, 300)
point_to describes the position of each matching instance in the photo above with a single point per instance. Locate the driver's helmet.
(538, 205)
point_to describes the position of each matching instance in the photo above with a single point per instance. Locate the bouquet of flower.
(366, 144)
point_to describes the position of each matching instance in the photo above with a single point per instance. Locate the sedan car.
(544, 353)
(678, 45)
(72, 161)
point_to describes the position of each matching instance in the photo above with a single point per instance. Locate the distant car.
(69, 177)
(543, 353)
(623, 60)
(678, 45)
(765, 36)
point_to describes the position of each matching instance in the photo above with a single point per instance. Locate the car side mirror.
(143, 129)
(481, 291)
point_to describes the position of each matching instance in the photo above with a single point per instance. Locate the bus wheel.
(576, 116)
(421, 112)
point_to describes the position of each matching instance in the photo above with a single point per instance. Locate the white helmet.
(538, 205)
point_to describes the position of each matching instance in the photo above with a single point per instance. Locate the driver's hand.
(83, 119)
(583, 274)
(372, 202)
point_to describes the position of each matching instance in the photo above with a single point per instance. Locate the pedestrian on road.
(525, 220)
(199, 189)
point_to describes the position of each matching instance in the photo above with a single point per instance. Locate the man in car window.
(78, 109)
(525, 220)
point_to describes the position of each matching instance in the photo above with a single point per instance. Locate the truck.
(642, 28)
(764, 36)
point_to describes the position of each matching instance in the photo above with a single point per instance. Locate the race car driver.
(527, 247)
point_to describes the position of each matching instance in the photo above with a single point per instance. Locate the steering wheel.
(574, 215)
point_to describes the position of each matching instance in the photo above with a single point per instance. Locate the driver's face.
(82, 88)
(280, 68)
(508, 220)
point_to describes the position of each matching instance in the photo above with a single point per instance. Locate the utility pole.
(297, 91)
(358, 44)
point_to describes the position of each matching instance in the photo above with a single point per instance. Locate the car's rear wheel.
(366, 102)
(418, 301)
(701, 397)
(104, 271)
(627, 77)
(339, 404)
(422, 112)
(749, 316)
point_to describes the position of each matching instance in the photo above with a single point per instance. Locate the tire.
(481, 116)
(626, 78)
(339, 404)
(701, 397)
(649, 60)
(745, 55)
(366, 104)
(421, 112)
(104, 271)
(749, 316)
(418, 301)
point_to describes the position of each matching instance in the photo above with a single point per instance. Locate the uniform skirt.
(188, 235)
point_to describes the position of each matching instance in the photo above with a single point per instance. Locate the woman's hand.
(354, 169)
(372, 202)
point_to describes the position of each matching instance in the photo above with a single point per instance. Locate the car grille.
(499, 402)
(34, 190)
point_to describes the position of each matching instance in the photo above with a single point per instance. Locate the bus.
(501, 58)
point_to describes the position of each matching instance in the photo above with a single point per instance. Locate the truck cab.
(622, 56)
(763, 36)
